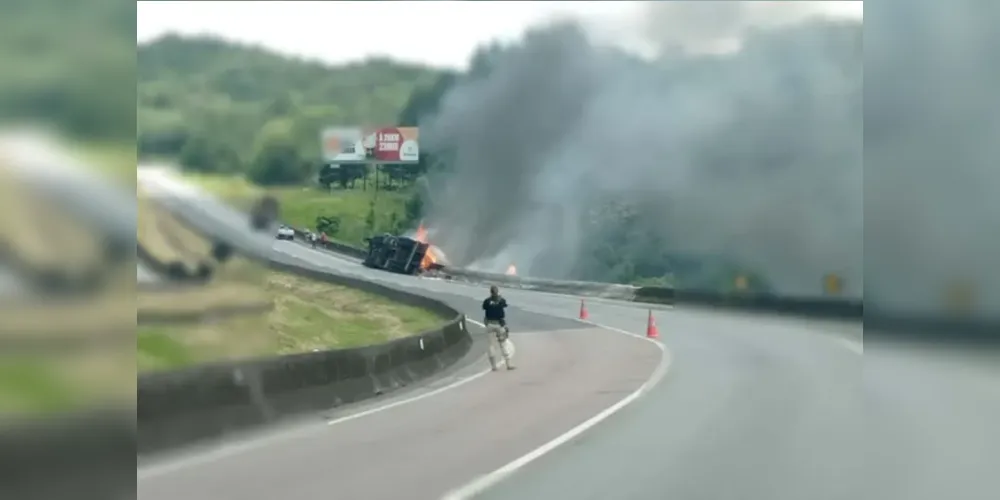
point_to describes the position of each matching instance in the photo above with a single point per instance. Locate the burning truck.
(413, 255)
(403, 254)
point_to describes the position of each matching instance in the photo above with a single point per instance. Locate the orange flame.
(421, 235)
(511, 270)
(429, 257)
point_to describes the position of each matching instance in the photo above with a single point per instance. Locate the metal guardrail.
(960, 326)
(587, 288)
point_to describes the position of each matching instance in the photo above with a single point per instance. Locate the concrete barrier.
(208, 401)
(955, 329)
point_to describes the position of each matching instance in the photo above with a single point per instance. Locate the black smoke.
(753, 156)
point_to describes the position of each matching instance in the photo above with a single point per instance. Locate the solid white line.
(409, 400)
(416, 398)
(484, 482)
(855, 347)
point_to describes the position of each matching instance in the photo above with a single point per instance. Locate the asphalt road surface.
(752, 407)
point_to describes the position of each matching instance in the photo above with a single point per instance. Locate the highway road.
(741, 406)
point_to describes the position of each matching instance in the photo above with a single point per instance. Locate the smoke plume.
(754, 155)
(932, 158)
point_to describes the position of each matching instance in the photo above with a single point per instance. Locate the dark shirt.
(494, 308)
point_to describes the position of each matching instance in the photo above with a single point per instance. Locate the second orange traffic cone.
(651, 330)
(583, 310)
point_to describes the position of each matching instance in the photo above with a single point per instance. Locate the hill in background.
(211, 103)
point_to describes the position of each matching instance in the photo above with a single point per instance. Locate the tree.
(328, 174)
(327, 224)
(201, 154)
(276, 159)
(64, 64)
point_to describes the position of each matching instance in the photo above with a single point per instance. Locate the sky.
(438, 33)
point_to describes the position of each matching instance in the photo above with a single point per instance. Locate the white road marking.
(409, 400)
(855, 347)
(484, 482)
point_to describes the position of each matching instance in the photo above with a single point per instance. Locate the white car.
(285, 233)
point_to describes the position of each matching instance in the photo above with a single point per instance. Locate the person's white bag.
(507, 346)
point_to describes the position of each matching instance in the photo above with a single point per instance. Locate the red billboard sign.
(371, 145)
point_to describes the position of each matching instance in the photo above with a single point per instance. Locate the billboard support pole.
(378, 166)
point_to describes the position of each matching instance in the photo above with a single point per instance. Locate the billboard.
(371, 145)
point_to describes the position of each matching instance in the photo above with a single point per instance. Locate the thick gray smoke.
(755, 156)
(932, 154)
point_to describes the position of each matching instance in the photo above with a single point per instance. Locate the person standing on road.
(496, 327)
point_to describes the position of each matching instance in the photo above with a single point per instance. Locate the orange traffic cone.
(651, 330)
(583, 310)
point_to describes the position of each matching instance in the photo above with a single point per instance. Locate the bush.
(328, 225)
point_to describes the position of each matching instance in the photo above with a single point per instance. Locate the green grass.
(300, 206)
(116, 160)
(33, 386)
(48, 384)
(158, 350)
(227, 187)
(307, 315)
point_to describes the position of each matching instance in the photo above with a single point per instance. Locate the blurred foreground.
(67, 322)
(68, 227)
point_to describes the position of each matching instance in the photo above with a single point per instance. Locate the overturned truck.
(397, 254)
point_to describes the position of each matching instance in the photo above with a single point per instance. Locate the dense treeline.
(69, 64)
(226, 108)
